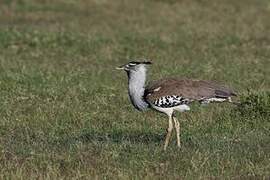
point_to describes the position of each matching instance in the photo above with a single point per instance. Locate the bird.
(170, 94)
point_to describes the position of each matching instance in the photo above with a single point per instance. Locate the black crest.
(137, 62)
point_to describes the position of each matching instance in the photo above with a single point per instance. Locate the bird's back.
(186, 89)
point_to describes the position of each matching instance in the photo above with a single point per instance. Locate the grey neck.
(136, 87)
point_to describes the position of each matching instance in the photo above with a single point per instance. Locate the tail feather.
(224, 93)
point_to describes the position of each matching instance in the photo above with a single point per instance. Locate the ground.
(65, 112)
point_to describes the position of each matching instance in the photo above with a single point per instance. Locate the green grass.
(65, 112)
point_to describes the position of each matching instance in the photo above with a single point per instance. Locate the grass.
(65, 112)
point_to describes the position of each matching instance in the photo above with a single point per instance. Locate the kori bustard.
(170, 94)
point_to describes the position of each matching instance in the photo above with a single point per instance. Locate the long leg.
(169, 132)
(177, 128)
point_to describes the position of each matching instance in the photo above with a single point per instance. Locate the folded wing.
(188, 90)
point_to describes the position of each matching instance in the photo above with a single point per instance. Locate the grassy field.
(65, 112)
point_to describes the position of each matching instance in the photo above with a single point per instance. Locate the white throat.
(136, 83)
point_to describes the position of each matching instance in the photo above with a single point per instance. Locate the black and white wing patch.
(170, 101)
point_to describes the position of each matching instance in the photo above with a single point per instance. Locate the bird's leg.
(169, 132)
(177, 128)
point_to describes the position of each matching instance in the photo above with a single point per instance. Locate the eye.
(132, 64)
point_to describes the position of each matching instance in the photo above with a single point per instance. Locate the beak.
(120, 67)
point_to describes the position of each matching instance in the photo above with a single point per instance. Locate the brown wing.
(187, 88)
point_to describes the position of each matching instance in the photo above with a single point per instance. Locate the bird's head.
(134, 66)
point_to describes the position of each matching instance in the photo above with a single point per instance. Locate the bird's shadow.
(120, 136)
